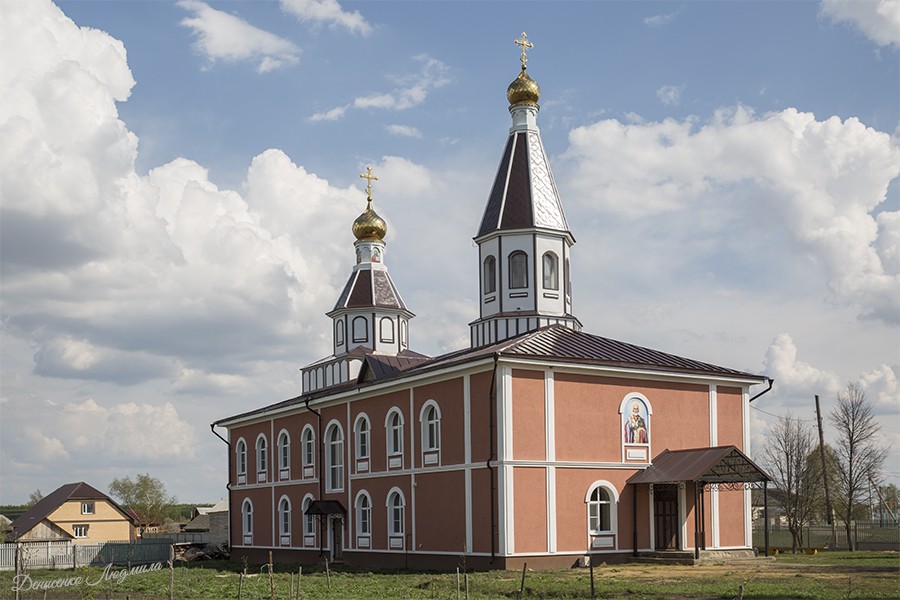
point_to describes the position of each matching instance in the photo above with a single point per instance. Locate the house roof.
(550, 343)
(722, 464)
(49, 503)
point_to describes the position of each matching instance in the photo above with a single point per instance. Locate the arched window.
(240, 451)
(247, 521)
(262, 456)
(334, 458)
(361, 430)
(309, 521)
(284, 520)
(396, 506)
(601, 500)
(394, 426)
(568, 276)
(360, 329)
(363, 514)
(490, 275)
(518, 270)
(387, 330)
(339, 332)
(431, 426)
(284, 450)
(551, 271)
(308, 442)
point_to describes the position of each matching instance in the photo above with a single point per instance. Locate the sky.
(178, 182)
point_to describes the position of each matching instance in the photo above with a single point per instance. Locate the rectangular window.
(87, 508)
(80, 531)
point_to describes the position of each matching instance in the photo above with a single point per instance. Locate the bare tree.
(34, 497)
(789, 456)
(858, 452)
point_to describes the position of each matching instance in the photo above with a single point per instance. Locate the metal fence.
(66, 555)
(178, 538)
(866, 535)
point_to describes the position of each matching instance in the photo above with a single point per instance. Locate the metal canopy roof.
(723, 464)
(326, 507)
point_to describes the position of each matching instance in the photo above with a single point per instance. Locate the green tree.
(859, 455)
(790, 458)
(145, 495)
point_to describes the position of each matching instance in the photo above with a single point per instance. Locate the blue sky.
(178, 181)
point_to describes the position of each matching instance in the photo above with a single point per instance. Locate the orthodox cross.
(525, 44)
(369, 179)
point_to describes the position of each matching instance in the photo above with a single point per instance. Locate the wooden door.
(665, 513)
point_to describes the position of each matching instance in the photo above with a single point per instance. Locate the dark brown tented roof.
(377, 366)
(523, 195)
(46, 505)
(326, 507)
(370, 288)
(722, 464)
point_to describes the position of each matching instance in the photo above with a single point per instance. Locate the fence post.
(171, 571)
(16, 561)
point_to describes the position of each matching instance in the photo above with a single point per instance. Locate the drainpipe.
(492, 396)
(212, 427)
(771, 381)
(319, 463)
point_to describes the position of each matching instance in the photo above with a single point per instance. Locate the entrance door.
(665, 513)
(337, 539)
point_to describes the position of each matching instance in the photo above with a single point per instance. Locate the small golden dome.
(369, 226)
(523, 90)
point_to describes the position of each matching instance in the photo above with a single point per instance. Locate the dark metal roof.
(326, 507)
(723, 464)
(370, 288)
(46, 505)
(553, 342)
(379, 366)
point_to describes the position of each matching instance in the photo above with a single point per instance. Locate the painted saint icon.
(635, 417)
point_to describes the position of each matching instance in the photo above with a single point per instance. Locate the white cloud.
(879, 20)
(794, 377)
(403, 131)
(329, 115)
(223, 36)
(412, 91)
(820, 182)
(327, 12)
(670, 94)
(660, 19)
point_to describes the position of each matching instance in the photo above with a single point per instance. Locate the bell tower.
(524, 242)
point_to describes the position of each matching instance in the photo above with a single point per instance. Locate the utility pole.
(829, 513)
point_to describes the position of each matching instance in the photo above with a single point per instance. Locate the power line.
(782, 417)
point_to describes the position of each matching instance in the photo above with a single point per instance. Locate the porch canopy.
(703, 466)
(326, 507)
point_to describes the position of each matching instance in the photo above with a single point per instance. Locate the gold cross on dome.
(369, 179)
(525, 44)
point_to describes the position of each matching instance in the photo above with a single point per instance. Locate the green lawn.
(830, 575)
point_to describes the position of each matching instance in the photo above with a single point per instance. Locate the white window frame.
(80, 531)
(284, 520)
(247, 521)
(284, 451)
(360, 333)
(387, 336)
(362, 437)
(489, 274)
(240, 451)
(308, 450)
(515, 272)
(394, 442)
(334, 449)
(309, 522)
(88, 508)
(431, 433)
(262, 457)
(394, 511)
(613, 504)
(550, 276)
(360, 520)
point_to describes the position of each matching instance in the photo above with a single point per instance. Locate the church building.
(539, 442)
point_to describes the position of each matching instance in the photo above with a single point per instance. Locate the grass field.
(830, 575)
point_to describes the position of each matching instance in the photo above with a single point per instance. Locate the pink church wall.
(729, 402)
(441, 511)
(530, 496)
(529, 429)
(449, 397)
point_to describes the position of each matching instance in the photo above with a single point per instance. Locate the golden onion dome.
(369, 226)
(523, 90)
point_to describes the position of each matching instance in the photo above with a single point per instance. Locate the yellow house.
(76, 512)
